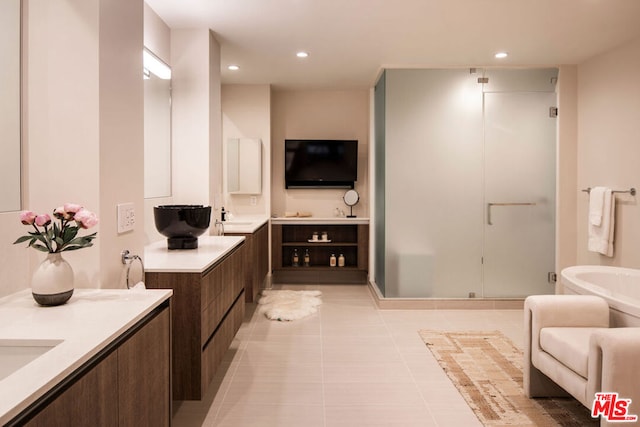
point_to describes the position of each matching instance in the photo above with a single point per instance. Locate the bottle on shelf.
(295, 259)
(332, 260)
(341, 260)
(307, 258)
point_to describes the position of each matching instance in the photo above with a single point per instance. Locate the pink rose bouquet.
(51, 236)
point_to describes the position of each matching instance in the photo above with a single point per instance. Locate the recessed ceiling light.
(302, 54)
(233, 67)
(501, 55)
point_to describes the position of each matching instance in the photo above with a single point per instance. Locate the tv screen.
(315, 163)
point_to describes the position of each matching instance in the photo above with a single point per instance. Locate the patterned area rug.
(486, 367)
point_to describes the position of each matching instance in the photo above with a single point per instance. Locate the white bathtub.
(619, 286)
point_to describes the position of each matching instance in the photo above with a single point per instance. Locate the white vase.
(52, 282)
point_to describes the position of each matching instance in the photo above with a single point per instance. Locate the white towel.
(596, 205)
(138, 287)
(601, 236)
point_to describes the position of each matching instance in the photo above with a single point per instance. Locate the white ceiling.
(349, 41)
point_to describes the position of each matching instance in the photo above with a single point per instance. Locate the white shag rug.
(288, 305)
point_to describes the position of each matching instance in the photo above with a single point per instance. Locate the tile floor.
(350, 364)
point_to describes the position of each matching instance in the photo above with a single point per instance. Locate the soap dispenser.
(295, 259)
(219, 228)
(332, 260)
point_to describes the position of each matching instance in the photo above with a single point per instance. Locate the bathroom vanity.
(101, 359)
(208, 305)
(346, 236)
(256, 234)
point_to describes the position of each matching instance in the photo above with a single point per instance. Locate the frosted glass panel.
(380, 177)
(520, 147)
(468, 168)
(433, 193)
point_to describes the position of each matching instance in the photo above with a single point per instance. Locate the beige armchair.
(569, 348)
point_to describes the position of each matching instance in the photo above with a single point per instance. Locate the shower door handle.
(490, 205)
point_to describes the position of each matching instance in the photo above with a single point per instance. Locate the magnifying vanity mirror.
(351, 199)
(10, 106)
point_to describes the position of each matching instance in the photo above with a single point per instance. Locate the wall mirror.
(10, 106)
(244, 166)
(157, 126)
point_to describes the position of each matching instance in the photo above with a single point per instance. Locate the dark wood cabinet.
(91, 400)
(257, 266)
(350, 240)
(208, 309)
(144, 375)
(126, 384)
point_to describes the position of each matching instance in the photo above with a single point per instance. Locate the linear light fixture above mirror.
(155, 65)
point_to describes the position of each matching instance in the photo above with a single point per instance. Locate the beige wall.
(215, 126)
(246, 113)
(319, 115)
(121, 133)
(196, 124)
(608, 147)
(157, 35)
(566, 183)
(82, 139)
(190, 114)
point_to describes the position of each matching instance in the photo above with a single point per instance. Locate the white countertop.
(211, 249)
(85, 325)
(314, 220)
(241, 224)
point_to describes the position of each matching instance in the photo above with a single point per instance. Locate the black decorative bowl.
(182, 224)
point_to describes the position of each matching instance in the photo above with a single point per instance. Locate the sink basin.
(14, 354)
(182, 224)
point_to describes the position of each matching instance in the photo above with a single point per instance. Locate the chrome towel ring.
(128, 259)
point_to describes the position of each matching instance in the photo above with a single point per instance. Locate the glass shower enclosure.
(465, 182)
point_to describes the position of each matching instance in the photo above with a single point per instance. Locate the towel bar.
(490, 205)
(631, 191)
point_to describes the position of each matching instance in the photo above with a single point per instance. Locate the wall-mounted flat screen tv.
(320, 163)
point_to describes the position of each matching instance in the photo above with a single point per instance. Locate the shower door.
(519, 181)
(467, 165)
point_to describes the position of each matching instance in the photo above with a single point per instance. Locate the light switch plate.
(126, 217)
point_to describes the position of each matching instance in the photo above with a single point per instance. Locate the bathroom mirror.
(351, 199)
(10, 83)
(157, 126)
(244, 166)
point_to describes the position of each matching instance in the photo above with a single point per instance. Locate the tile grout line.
(404, 362)
(244, 344)
(322, 370)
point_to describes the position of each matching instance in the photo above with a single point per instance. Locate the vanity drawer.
(215, 349)
(220, 289)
